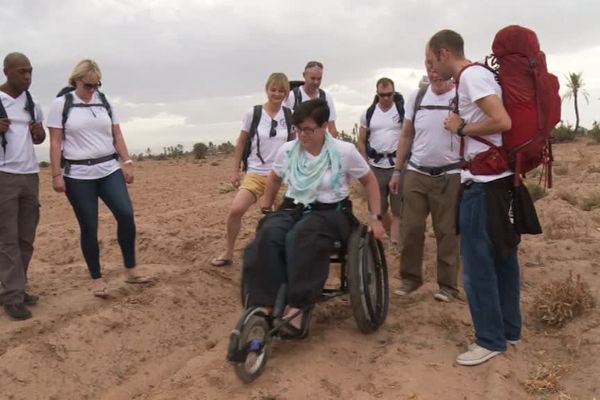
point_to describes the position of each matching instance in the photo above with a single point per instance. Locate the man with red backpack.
(488, 239)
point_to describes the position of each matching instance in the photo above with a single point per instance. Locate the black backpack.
(256, 115)
(67, 92)
(419, 100)
(29, 107)
(295, 88)
(399, 103)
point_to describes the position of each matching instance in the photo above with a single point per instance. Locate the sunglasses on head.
(92, 85)
(273, 131)
(389, 94)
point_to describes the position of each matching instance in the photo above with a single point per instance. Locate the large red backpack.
(530, 96)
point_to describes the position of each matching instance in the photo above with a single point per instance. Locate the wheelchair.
(363, 276)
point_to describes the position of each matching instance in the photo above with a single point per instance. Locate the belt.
(436, 171)
(288, 205)
(92, 161)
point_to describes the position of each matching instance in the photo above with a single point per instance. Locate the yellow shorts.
(256, 185)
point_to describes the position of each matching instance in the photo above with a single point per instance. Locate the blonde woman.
(86, 143)
(265, 128)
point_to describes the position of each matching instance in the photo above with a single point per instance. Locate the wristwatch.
(462, 125)
(376, 217)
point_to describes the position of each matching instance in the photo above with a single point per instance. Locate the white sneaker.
(476, 355)
(513, 342)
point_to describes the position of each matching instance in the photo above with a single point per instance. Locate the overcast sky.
(185, 71)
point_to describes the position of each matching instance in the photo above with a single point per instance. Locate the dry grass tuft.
(558, 302)
(536, 191)
(591, 202)
(545, 380)
(569, 197)
(226, 188)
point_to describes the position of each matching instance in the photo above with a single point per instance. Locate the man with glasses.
(313, 75)
(378, 136)
(20, 129)
(430, 185)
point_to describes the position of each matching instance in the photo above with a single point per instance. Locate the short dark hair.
(448, 39)
(316, 109)
(385, 82)
(312, 64)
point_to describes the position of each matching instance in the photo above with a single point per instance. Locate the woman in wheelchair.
(293, 245)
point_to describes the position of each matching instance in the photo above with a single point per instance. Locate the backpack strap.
(399, 102)
(66, 109)
(287, 114)
(256, 116)
(105, 104)
(30, 105)
(3, 141)
(418, 101)
(297, 97)
(322, 94)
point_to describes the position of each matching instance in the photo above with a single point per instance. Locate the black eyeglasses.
(273, 131)
(389, 94)
(307, 130)
(92, 85)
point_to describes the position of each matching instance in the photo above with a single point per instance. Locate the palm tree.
(575, 85)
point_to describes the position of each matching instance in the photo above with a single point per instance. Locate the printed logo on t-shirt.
(282, 122)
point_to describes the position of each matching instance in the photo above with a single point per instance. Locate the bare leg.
(395, 229)
(241, 203)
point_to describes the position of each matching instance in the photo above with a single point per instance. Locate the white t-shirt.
(19, 157)
(268, 145)
(433, 145)
(353, 165)
(291, 100)
(87, 135)
(385, 131)
(476, 83)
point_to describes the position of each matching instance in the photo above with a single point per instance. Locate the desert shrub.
(594, 133)
(536, 191)
(562, 169)
(563, 133)
(346, 137)
(545, 379)
(226, 188)
(590, 202)
(173, 151)
(558, 302)
(569, 197)
(226, 148)
(200, 150)
(44, 164)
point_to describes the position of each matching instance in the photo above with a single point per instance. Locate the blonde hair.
(82, 69)
(278, 79)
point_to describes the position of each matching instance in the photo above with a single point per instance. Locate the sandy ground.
(168, 341)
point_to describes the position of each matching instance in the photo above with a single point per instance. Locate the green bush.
(44, 164)
(563, 133)
(594, 133)
(200, 150)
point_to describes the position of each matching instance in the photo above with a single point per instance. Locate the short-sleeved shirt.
(291, 100)
(19, 157)
(353, 165)
(433, 145)
(384, 133)
(476, 83)
(87, 135)
(268, 145)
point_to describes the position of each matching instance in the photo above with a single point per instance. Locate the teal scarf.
(303, 175)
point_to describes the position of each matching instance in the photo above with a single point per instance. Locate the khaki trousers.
(438, 195)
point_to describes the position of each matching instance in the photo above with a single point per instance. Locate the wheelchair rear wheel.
(367, 280)
(254, 340)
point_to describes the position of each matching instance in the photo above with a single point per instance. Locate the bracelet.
(130, 161)
(462, 125)
(57, 175)
(398, 172)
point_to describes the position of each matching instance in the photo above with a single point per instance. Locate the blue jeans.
(83, 195)
(491, 282)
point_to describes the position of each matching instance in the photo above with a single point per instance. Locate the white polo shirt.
(87, 135)
(433, 145)
(477, 82)
(384, 129)
(268, 145)
(291, 100)
(19, 157)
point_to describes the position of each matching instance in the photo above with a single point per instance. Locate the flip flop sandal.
(101, 293)
(138, 280)
(221, 262)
